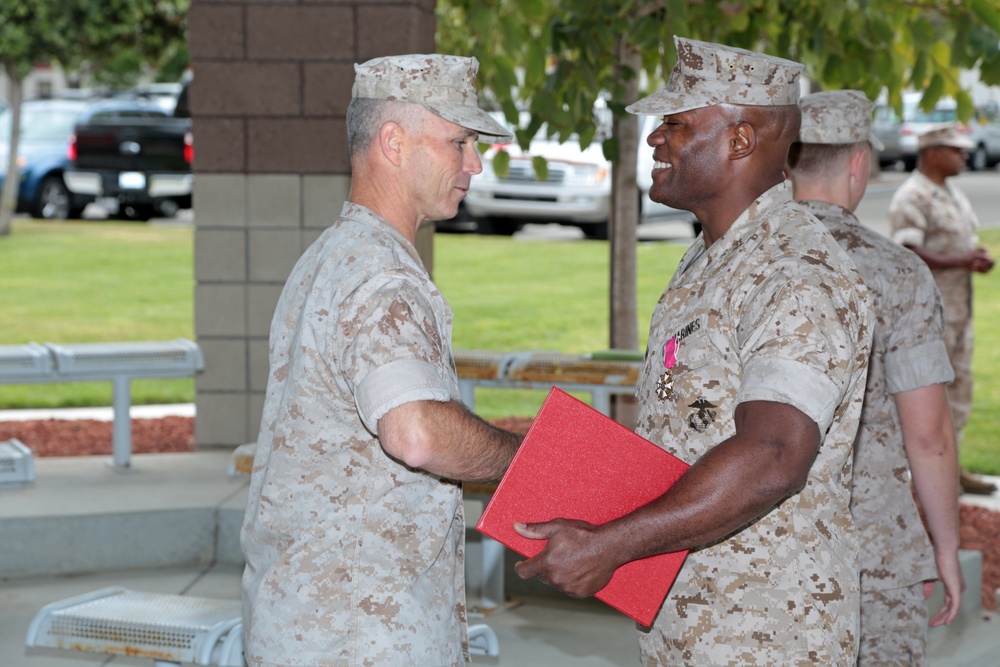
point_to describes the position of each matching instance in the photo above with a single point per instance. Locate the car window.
(39, 124)
(886, 114)
(141, 113)
(937, 115)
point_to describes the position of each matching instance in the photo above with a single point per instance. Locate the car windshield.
(41, 124)
(938, 115)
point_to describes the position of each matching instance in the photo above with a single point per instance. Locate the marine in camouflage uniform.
(354, 549)
(829, 167)
(931, 216)
(770, 312)
(754, 374)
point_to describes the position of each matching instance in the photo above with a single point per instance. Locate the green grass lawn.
(110, 281)
(80, 282)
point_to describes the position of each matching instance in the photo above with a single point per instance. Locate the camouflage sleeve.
(907, 217)
(800, 344)
(915, 355)
(394, 348)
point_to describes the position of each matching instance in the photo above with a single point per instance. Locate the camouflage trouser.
(958, 339)
(893, 628)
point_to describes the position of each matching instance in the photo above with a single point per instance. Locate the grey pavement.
(172, 527)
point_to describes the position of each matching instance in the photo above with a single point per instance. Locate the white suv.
(900, 135)
(576, 190)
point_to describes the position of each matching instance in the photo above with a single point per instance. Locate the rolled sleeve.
(395, 384)
(794, 383)
(919, 366)
(909, 236)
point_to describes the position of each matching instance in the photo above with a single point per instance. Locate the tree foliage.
(112, 39)
(556, 58)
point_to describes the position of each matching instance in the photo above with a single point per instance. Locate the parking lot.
(982, 188)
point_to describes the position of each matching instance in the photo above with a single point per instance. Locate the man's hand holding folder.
(576, 471)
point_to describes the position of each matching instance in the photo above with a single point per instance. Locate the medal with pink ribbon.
(665, 383)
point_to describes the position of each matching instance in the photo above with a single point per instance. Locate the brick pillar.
(272, 80)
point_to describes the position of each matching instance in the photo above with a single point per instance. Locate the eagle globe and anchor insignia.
(703, 416)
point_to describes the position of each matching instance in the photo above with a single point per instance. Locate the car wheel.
(978, 159)
(137, 212)
(167, 208)
(498, 226)
(598, 230)
(52, 200)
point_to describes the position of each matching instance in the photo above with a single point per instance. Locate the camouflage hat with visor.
(708, 74)
(837, 117)
(443, 84)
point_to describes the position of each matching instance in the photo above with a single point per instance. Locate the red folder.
(576, 463)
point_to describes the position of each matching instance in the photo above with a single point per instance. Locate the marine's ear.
(390, 138)
(741, 140)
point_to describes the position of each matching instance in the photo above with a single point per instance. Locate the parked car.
(576, 190)
(137, 167)
(899, 135)
(46, 126)
(164, 95)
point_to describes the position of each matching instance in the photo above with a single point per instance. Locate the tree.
(79, 34)
(31, 33)
(557, 57)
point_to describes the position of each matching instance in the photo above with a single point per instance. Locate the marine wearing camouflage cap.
(945, 134)
(837, 117)
(707, 74)
(443, 84)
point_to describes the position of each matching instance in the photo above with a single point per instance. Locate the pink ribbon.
(670, 353)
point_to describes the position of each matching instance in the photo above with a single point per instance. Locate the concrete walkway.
(172, 526)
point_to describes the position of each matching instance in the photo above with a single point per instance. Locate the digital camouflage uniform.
(772, 311)
(353, 558)
(908, 353)
(941, 218)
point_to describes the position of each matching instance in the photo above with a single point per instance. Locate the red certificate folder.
(576, 463)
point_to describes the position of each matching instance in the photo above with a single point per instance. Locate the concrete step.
(183, 510)
(82, 516)
(972, 570)
(973, 638)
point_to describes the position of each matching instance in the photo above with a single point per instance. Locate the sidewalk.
(172, 526)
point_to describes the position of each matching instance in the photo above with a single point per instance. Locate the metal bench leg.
(601, 400)
(122, 434)
(493, 576)
(467, 391)
(483, 640)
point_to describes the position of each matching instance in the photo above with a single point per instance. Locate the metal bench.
(601, 377)
(118, 362)
(168, 629)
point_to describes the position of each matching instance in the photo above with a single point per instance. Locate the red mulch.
(979, 530)
(92, 437)
(980, 527)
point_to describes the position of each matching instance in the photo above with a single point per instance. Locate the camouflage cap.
(837, 117)
(443, 84)
(945, 134)
(708, 74)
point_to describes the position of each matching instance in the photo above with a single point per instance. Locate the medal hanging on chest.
(665, 383)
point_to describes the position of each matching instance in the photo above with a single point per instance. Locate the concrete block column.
(272, 80)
